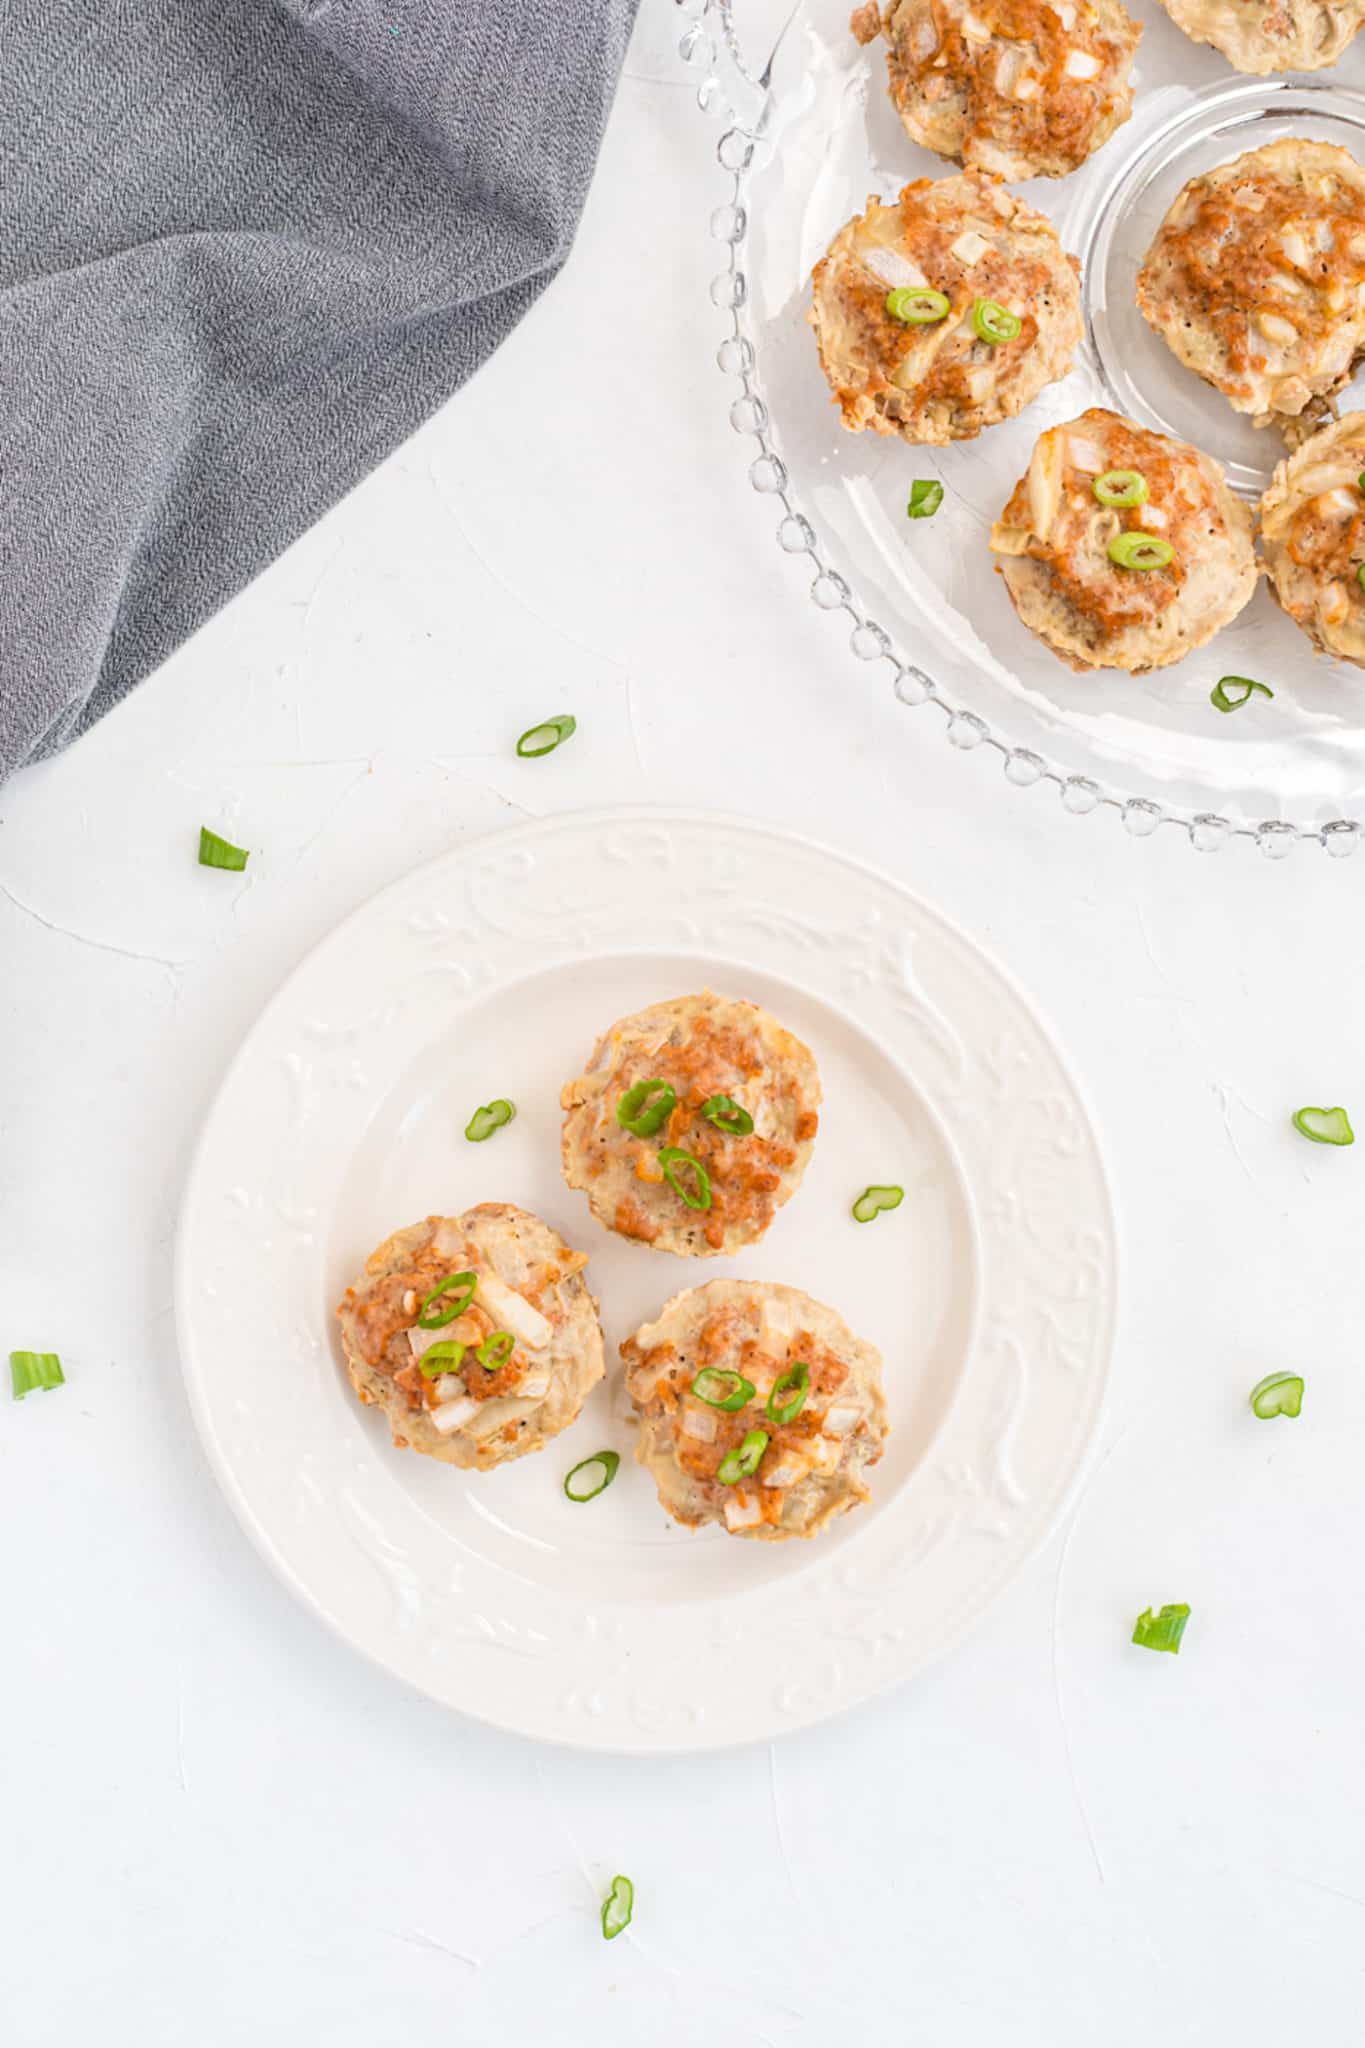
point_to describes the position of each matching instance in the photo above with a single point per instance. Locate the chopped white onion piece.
(534, 1387)
(1152, 515)
(421, 1341)
(969, 247)
(1282, 332)
(1080, 64)
(979, 383)
(777, 1325)
(839, 1421)
(1083, 454)
(410, 1302)
(699, 1423)
(452, 1415)
(896, 270)
(826, 1453)
(512, 1311)
(1294, 246)
(742, 1512)
(449, 1387)
(1066, 14)
(787, 1473)
(975, 31)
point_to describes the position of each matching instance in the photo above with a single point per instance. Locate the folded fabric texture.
(245, 248)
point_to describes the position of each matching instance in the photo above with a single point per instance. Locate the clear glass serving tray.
(806, 136)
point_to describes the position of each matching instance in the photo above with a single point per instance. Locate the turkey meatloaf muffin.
(1256, 280)
(1313, 534)
(944, 312)
(759, 1409)
(1271, 35)
(1121, 548)
(692, 1125)
(1020, 88)
(475, 1334)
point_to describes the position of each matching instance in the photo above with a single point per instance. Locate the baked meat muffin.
(475, 1334)
(1020, 88)
(944, 312)
(1271, 35)
(692, 1125)
(1122, 548)
(759, 1409)
(1256, 280)
(1313, 536)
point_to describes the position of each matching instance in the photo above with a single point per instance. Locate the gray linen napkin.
(246, 246)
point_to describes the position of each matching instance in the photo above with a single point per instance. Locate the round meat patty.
(1256, 280)
(1313, 533)
(768, 1352)
(529, 1312)
(897, 316)
(713, 1139)
(1271, 35)
(1019, 88)
(1057, 540)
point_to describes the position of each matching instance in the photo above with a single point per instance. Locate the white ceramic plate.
(990, 1291)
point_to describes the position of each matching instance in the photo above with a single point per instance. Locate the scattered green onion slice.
(728, 1115)
(1121, 488)
(599, 1470)
(618, 1907)
(495, 1351)
(1230, 693)
(720, 1388)
(1140, 551)
(439, 1359)
(466, 1282)
(30, 1369)
(491, 1117)
(993, 322)
(744, 1461)
(1360, 575)
(1279, 1393)
(545, 737)
(673, 1159)
(788, 1396)
(220, 853)
(1361, 480)
(918, 305)
(926, 495)
(646, 1108)
(872, 1201)
(1163, 1630)
(1325, 1126)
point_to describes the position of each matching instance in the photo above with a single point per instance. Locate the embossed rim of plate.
(925, 1564)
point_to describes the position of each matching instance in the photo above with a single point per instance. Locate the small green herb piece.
(618, 1907)
(1230, 693)
(728, 1115)
(720, 1388)
(646, 1108)
(1163, 1630)
(490, 1118)
(220, 853)
(1325, 1126)
(598, 1471)
(872, 1201)
(788, 1395)
(1279, 1393)
(495, 1351)
(1139, 551)
(545, 737)
(465, 1282)
(926, 495)
(1122, 488)
(995, 323)
(439, 1359)
(1360, 575)
(918, 305)
(674, 1161)
(744, 1461)
(29, 1370)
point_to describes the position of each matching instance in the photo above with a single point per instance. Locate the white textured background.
(218, 1827)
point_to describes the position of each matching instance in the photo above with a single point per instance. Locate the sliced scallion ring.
(926, 495)
(429, 1317)
(1121, 488)
(1162, 1630)
(439, 1359)
(220, 853)
(1360, 575)
(545, 737)
(646, 1108)
(674, 1161)
(32, 1370)
(788, 1395)
(728, 1115)
(1230, 693)
(1140, 551)
(491, 1117)
(872, 1201)
(592, 1476)
(720, 1388)
(1325, 1126)
(618, 1907)
(918, 305)
(495, 1351)
(995, 323)
(1360, 480)
(1279, 1393)
(744, 1460)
